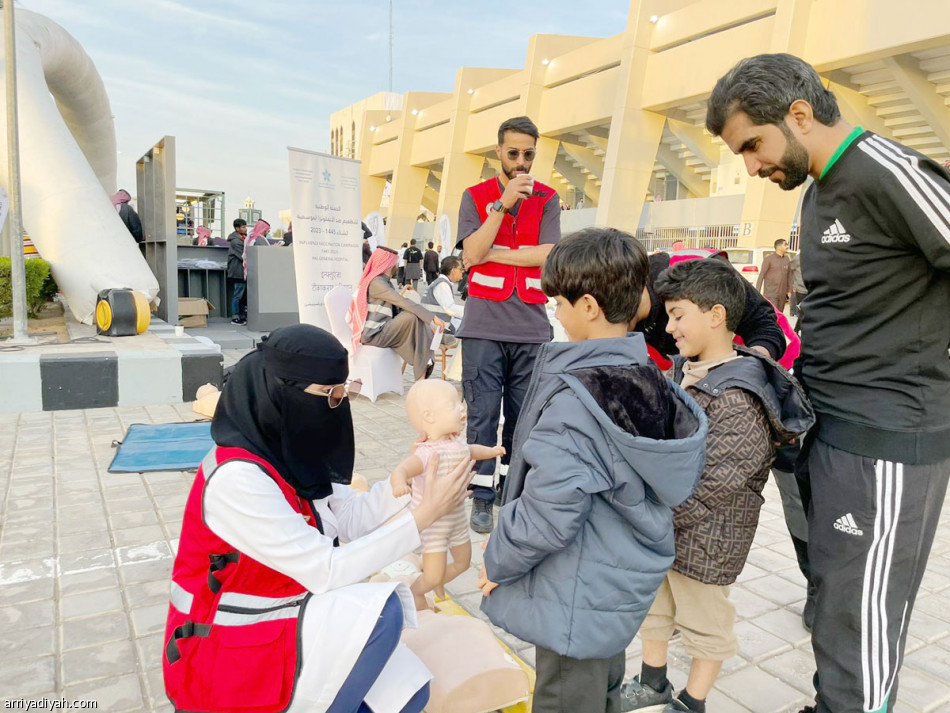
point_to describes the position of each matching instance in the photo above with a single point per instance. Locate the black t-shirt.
(412, 254)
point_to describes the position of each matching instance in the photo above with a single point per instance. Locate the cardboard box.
(193, 322)
(193, 312)
(191, 306)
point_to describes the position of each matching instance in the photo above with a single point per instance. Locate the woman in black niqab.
(265, 410)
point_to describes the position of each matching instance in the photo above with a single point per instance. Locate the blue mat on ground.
(162, 446)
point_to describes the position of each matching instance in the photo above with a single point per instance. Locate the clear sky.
(237, 81)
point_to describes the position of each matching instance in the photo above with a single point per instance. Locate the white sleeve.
(244, 506)
(443, 295)
(358, 515)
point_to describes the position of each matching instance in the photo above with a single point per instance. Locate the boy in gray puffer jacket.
(604, 448)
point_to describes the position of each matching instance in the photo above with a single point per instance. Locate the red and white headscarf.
(260, 230)
(203, 235)
(380, 263)
(121, 196)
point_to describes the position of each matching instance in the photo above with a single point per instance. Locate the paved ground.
(84, 574)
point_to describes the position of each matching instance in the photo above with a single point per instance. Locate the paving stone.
(83, 511)
(748, 604)
(149, 619)
(149, 650)
(75, 527)
(145, 552)
(145, 534)
(776, 589)
(80, 633)
(90, 603)
(27, 615)
(89, 581)
(95, 662)
(30, 549)
(721, 703)
(795, 667)
(87, 560)
(785, 625)
(927, 627)
(84, 541)
(921, 691)
(147, 571)
(756, 643)
(118, 695)
(757, 690)
(22, 592)
(27, 644)
(28, 677)
(121, 520)
(144, 593)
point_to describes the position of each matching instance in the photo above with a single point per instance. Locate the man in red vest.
(507, 226)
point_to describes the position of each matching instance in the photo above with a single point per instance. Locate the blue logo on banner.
(326, 176)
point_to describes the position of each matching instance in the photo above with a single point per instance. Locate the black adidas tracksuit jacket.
(876, 261)
(875, 334)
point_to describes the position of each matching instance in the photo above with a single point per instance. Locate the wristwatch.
(498, 207)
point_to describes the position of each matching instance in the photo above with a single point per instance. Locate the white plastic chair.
(379, 369)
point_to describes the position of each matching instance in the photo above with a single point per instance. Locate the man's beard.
(513, 171)
(794, 163)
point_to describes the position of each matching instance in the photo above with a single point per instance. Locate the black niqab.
(265, 410)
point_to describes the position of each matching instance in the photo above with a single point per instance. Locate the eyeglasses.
(513, 154)
(336, 394)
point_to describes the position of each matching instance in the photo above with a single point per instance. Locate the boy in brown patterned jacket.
(751, 402)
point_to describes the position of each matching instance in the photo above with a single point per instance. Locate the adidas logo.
(846, 523)
(835, 234)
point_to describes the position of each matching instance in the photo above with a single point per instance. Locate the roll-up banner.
(328, 238)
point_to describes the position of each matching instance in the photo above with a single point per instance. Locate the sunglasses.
(513, 154)
(336, 394)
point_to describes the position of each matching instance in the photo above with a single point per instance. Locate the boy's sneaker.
(239, 321)
(676, 706)
(636, 696)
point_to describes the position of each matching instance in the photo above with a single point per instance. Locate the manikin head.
(435, 409)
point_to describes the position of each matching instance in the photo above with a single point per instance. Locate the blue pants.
(239, 298)
(492, 371)
(379, 647)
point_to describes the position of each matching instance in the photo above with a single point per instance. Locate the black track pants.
(871, 524)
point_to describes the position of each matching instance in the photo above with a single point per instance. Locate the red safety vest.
(231, 633)
(493, 281)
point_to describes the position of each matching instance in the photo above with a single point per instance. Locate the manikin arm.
(485, 452)
(403, 473)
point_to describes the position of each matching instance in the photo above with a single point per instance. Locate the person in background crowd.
(258, 236)
(381, 317)
(774, 282)
(401, 272)
(202, 236)
(413, 257)
(798, 289)
(235, 272)
(506, 320)
(439, 298)
(367, 251)
(430, 264)
(876, 259)
(128, 215)
(289, 235)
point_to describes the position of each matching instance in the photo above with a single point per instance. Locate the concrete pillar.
(408, 182)
(634, 133)
(768, 212)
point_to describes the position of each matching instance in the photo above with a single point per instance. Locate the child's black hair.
(705, 283)
(607, 264)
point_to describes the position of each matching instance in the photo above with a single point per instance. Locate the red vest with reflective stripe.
(231, 633)
(493, 281)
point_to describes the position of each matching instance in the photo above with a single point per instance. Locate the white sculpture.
(68, 168)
